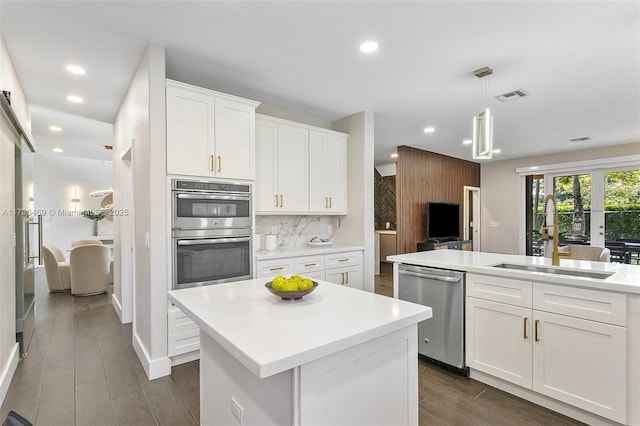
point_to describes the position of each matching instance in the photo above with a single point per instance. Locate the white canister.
(271, 241)
(256, 242)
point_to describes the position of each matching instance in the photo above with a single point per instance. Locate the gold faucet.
(555, 254)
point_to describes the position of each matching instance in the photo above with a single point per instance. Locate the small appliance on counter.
(319, 242)
(271, 241)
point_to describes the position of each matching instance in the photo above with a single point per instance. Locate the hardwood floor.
(81, 370)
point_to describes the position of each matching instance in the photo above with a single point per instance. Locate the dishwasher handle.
(431, 277)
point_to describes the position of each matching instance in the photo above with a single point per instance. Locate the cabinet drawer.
(271, 268)
(181, 343)
(317, 275)
(593, 305)
(498, 289)
(179, 322)
(183, 334)
(339, 260)
(304, 265)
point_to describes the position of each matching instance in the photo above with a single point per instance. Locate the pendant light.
(483, 122)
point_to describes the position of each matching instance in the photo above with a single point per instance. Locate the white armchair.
(85, 243)
(90, 266)
(593, 253)
(56, 268)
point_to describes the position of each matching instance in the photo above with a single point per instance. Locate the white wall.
(140, 123)
(502, 194)
(55, 179)
(358, 226)
(8, 345)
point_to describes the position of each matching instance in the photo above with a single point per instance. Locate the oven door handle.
(199, 242)
(212, 197)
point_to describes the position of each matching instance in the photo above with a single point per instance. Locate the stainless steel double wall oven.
(211, 232)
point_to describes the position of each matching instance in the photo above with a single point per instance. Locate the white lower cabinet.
(499, 340)
(183, 333)
(340, 268)
(575, 358)
(582, 363)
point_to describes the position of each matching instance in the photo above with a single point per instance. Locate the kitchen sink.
(555, 270)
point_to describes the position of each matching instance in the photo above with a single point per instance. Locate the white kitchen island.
(566, 337)
(337, 356)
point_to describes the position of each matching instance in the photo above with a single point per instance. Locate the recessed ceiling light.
(57, 150)
(429, 129)
(467, 142)
(55, 129)
(75, 99)
(496, 151)
(394, 155)
(75, 69)
(369, 46)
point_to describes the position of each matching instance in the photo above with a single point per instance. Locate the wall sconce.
(75, 200)
(483, 122)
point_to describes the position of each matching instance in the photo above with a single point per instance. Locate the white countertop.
(269, 335)
(626, 278)
(303, 251)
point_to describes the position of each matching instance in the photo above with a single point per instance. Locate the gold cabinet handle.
(279, 268)
(326, 202)
(535, 329)
(342, 273)
(276, 200)
(219, 163)
(330, 202)
(211, 163)
(347, 274)
(343, 260)
(306, 265)
(281, 203)
(524, 328)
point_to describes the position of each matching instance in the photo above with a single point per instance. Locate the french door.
(593, 207)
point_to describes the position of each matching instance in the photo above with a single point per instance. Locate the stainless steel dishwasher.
(441, 337)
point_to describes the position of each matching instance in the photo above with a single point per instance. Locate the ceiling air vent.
(582, 139)
(511, 96)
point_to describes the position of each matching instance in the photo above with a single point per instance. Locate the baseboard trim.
(184, 358)
(536, 398)
(154, 368)
(117, 307)
(8, 371)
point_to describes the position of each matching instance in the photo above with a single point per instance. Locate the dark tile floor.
(81, 370)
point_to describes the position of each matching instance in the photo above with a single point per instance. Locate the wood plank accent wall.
(423, 176)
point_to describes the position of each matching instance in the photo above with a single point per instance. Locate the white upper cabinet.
(282, 167)
(189, 131)
(209, 133)
(327, 172)
(299, 168)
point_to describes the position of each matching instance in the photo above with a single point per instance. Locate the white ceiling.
(579, 60)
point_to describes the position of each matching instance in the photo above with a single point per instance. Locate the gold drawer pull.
(524, 329)
(347, 274)
(212, 163)
(276, 200)
(537, 337)
(343, 260)
(326, 202)
(330, 202)
(219, 163)
(309, 264)
(281, 203)
(342, 273)
(279, 268)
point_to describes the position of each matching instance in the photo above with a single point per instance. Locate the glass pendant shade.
(483, 135)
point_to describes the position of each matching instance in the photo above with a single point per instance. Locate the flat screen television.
(443, 221)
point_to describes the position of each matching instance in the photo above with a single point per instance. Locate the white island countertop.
(624, 278)
(269, 335)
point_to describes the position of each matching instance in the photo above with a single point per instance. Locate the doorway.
(127, 238)
(471, 216)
